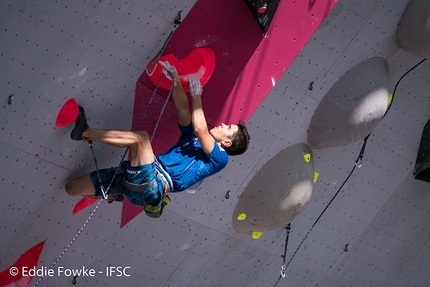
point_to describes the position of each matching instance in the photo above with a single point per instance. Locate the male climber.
(146, 180)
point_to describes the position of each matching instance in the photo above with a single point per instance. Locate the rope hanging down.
(358, 163)
(71, 242)
(116, 171)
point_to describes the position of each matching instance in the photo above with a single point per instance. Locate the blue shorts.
(152, 196)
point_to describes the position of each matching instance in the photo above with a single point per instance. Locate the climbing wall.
(375, 231)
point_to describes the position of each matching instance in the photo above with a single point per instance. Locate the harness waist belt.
(138, 187)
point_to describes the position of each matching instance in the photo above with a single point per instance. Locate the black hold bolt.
(9, 99)
(227, 195)
(311, 86)
(74, 280)
(346, 248)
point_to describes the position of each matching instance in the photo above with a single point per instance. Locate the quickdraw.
(153, 64)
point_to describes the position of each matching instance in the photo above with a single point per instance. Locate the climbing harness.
(358, 163)
(153, 65)
(117, 170)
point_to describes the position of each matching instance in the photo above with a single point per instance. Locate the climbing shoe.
(156, 211)
(80, 126)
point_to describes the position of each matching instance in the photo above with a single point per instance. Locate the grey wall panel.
(217, 260)
(402, 220)
(159, 248)
(413, 33)
(419, 265)
(381, 213)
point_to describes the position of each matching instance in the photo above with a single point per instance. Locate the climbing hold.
(68, 113)
(316, 175)
(256, 234)
(200, 62)
(241, 216)
(277, 193)
(13, 276)
(390, 98)
(307, 157)
(353, 107)
(413, 29)
(84, 202)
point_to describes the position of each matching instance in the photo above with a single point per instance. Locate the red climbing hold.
(68, 113)
(13, 276)
(85, 202)
(200, 62)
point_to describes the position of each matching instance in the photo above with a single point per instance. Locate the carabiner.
(283, 268)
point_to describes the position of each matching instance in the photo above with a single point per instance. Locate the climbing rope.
(358, 163)
(105, 192)
(285, 266)
(141, 120)
(71, 242)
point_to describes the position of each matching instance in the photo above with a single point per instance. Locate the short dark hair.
(239, 140)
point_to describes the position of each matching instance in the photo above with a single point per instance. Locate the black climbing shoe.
(80, 126)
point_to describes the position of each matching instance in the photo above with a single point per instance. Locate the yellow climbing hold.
(390, 98)
(256, 234)
(316, 175)
(307, 157)
(241, 216)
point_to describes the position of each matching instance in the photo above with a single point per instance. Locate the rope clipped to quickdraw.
(154, 63)
(285, 266)
(105, 192)
(358, 163)
(284, 256)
